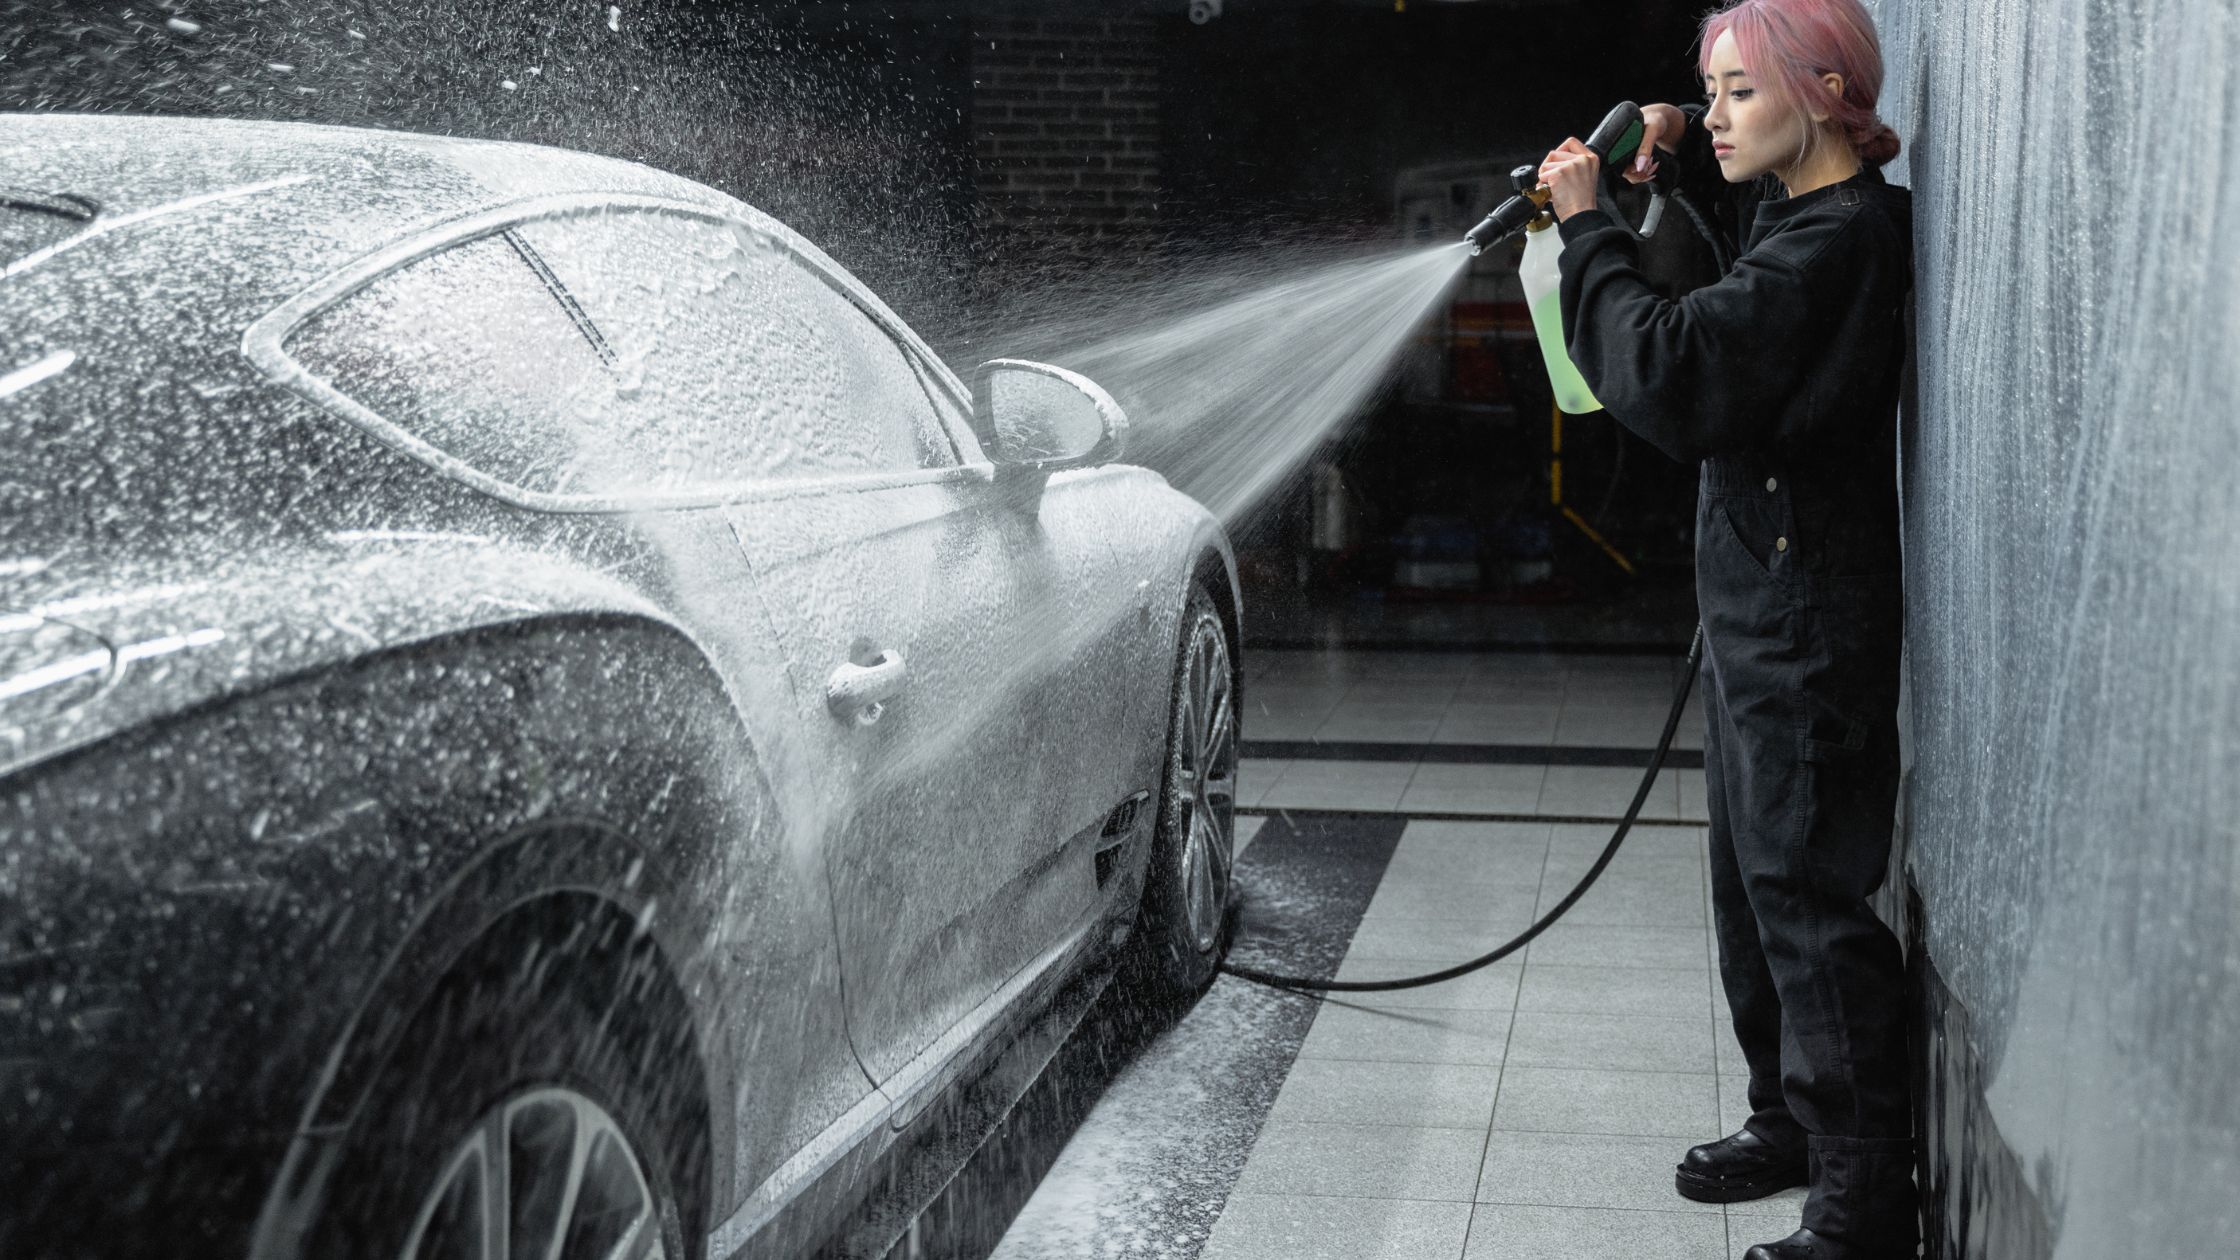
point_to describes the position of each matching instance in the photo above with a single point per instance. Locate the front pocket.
(1739, 548)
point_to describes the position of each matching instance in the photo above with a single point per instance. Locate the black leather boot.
(1806, 1245)
(1737, 1168)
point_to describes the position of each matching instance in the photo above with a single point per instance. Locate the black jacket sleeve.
(1715, 371)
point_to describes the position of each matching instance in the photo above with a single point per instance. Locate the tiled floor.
(1455, 733)
(1535, 1108)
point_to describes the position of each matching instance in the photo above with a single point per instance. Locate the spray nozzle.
(1512, 215)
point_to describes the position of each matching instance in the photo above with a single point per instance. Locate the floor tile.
(1287, 662)
(1491, 988)
(1450, 666)
(1729, 1050)
(1248, 826)
(1424, 1095)
(1579, 843)
(1609, 726)
(1434, 695)
(1690, 784)
(1763, 1220)
(1474, 789)
(1281, 727)
(1376, 728)
(1669, 994)
(1479, 722)
(1375, 785)
(1646, 1104)
(1624, 689)
(1457, 898)
(1278, 699)
(1407, 1035)
(1603, 792)
(1508, 1232)
(1367, 1161)
(1630, 897)
(1734, 1102)
(1307, 1227)
(1779, 1212)
(1486, 834)
(1512, 689)
(1675, 874)
(1255, 775)
(1285, 688)
(1622, 1043)
(1482, 852)
(1610, 945)
(1436, 941)
(1585, 1170)
(1517, 863)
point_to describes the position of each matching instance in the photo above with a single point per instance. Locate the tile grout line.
(1508, 1039)
(1718, 1086)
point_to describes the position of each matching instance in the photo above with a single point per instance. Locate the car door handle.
(859, 693)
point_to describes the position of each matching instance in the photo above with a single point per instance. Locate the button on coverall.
(1782, 379)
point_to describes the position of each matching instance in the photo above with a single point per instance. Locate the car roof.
(277, 206)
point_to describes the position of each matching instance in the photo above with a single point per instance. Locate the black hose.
(1310, 984)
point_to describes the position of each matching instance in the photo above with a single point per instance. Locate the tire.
(540, 1069)
(1188, 892)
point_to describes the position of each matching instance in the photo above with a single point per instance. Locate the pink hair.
(1788, 44)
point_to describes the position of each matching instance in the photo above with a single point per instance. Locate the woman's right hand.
(1662, 126)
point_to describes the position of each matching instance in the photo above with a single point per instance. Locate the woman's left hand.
(1570, 173)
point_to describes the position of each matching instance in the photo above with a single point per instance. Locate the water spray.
(1615, 141)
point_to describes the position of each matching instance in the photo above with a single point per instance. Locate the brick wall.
(1065, 122)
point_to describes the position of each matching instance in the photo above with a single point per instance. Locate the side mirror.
(1046, 419)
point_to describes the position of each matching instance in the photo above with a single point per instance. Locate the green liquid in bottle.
(1572, 394)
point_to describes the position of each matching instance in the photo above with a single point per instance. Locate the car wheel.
(531, 1110)
(1188, 892)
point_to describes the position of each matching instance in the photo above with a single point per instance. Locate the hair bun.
(1879, 145)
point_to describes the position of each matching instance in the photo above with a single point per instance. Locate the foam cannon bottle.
(1614, 142)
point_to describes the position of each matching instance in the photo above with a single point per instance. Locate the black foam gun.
(1615, 141)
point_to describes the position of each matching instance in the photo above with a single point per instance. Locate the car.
(536, 713)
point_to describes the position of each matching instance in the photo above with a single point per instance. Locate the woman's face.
(1749, 135)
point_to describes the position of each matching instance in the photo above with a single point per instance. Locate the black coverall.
(1782, 378)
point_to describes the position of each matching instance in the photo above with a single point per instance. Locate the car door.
(903, 595)
(467, 344)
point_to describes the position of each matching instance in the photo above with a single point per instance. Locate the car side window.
(757, 366)
(623, 354)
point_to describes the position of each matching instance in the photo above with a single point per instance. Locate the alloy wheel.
(545, 1175)
(1208, 783)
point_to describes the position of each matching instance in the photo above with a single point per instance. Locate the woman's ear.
(1834, 83)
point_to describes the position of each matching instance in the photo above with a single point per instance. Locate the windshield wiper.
(65, 205)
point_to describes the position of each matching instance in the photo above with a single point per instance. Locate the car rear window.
(468, 352)
(625, 354)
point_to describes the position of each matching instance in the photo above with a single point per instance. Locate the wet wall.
(2073, 570)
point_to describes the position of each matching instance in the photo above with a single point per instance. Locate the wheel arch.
(332, 843)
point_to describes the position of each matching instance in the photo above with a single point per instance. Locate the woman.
(1782, 379)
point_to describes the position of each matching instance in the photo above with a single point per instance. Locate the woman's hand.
(1662, 126)
(1570, 173)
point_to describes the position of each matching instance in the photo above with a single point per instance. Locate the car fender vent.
(1122, 819)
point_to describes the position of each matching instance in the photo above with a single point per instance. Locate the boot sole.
(1734, 1189)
